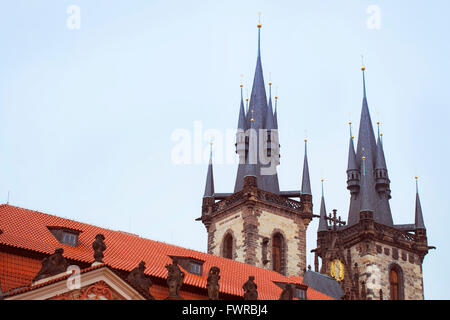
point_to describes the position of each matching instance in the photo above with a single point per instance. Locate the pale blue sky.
(86, 116)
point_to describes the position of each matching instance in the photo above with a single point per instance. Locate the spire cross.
(335, 222)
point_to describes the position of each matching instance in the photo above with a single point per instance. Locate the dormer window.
(65, 235)
(196, 268)
(70, 238)
(191, 265)
(300, 292)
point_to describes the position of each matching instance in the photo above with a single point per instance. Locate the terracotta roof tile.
(27, 229)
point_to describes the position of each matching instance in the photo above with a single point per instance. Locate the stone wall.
(374, 266)
(233, 224)
(248, 248)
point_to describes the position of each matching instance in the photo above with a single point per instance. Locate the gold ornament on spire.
(259, 20)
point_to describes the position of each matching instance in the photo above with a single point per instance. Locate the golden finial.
(270, 83)
(378, 122)
(353, 137)
(416, 177)
(364, 158)
(276, 97)
(321, 180)
(246, 99)
(259, 20)
(381, 134)
(363, 68)
(241, 85)
(306, 140)
(349, 122)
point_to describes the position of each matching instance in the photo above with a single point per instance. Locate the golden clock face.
(337, 270)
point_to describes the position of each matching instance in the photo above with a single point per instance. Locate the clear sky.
(88, 114)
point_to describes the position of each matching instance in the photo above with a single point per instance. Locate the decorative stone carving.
(363, 291)
(140, 280)
(52, 265)
(175, 279)
(99, 246)
(213, 283)
(287, 293)
(250, 289)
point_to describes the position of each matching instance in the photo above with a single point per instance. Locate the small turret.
(353, 173)
(419, 224)
(306, 184)
(323, 225)
(381, 174)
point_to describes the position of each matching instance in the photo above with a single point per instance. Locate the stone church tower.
(258, 224)
(372, 257)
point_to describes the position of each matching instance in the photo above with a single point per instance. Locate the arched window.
(396, 282)
(277, 252)
(228, 246)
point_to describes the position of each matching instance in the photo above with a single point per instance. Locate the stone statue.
(99, 246)
(140, 280)
(52, 265)
(250, 289)
(213, 283)
(287, 293)
(175, 279)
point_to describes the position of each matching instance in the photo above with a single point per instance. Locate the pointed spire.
(351, 165)
(275, 114)
(323, 214)
(242, 119)
(418, 215)
(363, 68)
(381, 161)
(270, 121)
(258, 98)
(306, 185)
(209, 186)
(366, 137)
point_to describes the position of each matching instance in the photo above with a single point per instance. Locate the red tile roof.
(27, 229)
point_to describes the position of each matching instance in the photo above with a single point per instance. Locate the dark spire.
(209, 186)
(351, 165)
(258, 97)
(366, 137)
(381, 161)
(306, 185)
(323, 214)
(418, 216)
(275, 114)
(270, 120)
(242, 122)
(367, 203)
(373, 193)
(258, 111)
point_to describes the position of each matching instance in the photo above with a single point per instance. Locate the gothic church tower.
(258, 224)
(372, 257)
